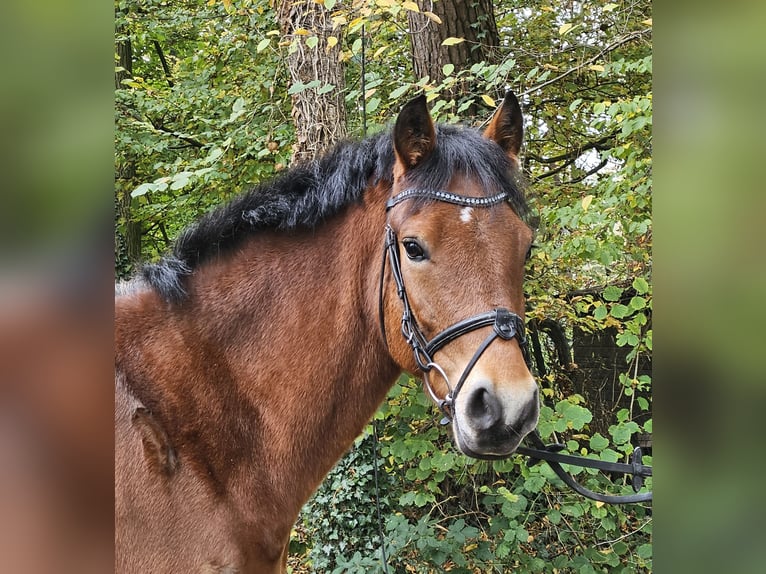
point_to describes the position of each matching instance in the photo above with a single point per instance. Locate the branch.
(164, 62)
(188, 139)
(599, 144)
(587, 173)
(588, 62)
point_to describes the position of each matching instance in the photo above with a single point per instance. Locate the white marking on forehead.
(465, 214)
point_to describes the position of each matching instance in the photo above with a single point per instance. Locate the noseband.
(505, 324)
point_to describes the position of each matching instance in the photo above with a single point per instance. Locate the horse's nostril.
(483, 408)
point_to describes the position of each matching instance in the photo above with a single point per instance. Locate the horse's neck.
(278, 359)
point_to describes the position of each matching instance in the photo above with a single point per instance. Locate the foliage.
(444, 512)
(221, 120)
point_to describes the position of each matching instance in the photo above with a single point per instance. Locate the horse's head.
(457, 246)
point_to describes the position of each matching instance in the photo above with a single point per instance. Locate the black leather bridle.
(505, 323)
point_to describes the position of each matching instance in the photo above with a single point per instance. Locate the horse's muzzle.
(490, 426)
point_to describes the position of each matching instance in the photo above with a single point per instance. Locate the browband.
(446, 196)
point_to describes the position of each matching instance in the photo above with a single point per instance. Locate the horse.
(250, 357)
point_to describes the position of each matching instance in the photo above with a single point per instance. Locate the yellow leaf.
(471, 547)
(384, 3)
(410, 6)
(451, 41)
(596, 67)
(609, 7)
(433, 17)
(648, 21)
(565, 28)
(301, 32)
(488, 100)
(379, 51)
(586, 201)
(227, 4)
(331, 41)
(599, 504)
(210, 2)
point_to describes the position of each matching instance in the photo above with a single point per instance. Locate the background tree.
(317, 83)
(452, 34)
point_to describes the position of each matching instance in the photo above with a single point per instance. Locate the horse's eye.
(414, 250)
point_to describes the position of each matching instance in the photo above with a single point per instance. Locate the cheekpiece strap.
(447, 197)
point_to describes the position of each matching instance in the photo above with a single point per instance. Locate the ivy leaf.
(324, 89)
(297, 88)
(451, 41)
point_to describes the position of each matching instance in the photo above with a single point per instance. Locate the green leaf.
(644, 551)
(143, 189)
(600, 313)
(619, 311)
(447, 69)
(263, 44)
(329, 4)
(612, 293)
(296, 88)
(214, 154)
(373, 104)
(181, 180)
(312, 42)
(621, 433)
(640, 285)
(399, 92)
(324, 89)
(598, 442)
(637, 303)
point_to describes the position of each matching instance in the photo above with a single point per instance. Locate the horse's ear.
(414, 133)
(507, 126)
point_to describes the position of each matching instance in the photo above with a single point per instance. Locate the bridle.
(505, 323)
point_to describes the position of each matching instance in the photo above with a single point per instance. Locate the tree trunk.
(130, 230)
(319, 118)
(472, 20)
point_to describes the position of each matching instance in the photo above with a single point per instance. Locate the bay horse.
(249, 359)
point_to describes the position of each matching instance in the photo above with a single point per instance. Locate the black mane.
(310, 193)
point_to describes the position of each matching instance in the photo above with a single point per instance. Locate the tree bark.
(126, 170)
(319, 118)
(473, 20)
